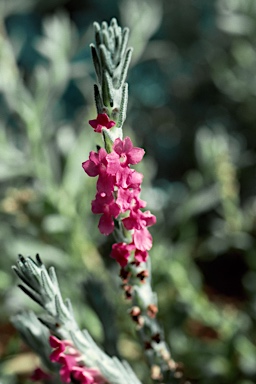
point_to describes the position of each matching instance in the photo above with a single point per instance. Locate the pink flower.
(39, 374)
(124, 198)
(68, 362)
(59, 347)
(139, 220)
(105, 183)
(96, 163)
(101, 121)
(134, 179)
(113, 163)
(123, 176)
(129, 199)
(85, 375)
(99, 165)
(127, 152)
(121, 252)
(128, 178)
(106, 205)
(70, 369)
(140, 256)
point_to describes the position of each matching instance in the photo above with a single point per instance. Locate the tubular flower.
(59, 347)
(70, 363)
(101, 121)
(106, 205)
(128, 154)
(85, 375)
(138, 221)
(129, 199)
(98, 165)
(140, 256)
(121, 252)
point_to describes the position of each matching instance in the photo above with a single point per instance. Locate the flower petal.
(106, 224)
(142, 239)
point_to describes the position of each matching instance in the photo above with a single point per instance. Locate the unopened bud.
(127, 291)
(124, 274)
(152, 310)
(156, 338)
(136, 316)
(143, 275)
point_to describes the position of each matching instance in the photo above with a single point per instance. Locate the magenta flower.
(121, 252)
(96, 163)
(101, 121)
(140, 256)
(68, 362)
(105, 183)
(70, 369)
(85, 375)
(123, 176)
(139, 220)
(128, 178)
(124, 198)
(134, 180)
(106, 205)
(128, 199)
(100, 162)
(113, 163)
(99, 165)
(127, 152)
(59, 347)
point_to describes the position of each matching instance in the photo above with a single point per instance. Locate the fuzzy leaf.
(123, 106)
(98, 100)
(96, 62)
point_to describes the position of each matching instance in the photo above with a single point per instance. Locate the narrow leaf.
(96, 62)
(32, 295)
(61, 309)
(107, 89)
(98, 99)
(106, 61)
(46, 285)
(123, 106)
(97, 32)
(22, 277)
(120, 79)
(106, 39)
(125, 38)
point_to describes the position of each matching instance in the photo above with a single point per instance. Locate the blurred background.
(192, 107)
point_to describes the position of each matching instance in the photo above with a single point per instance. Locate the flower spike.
(118, 186)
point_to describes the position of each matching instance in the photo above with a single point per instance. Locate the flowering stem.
(117, 198)
(42, 286)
